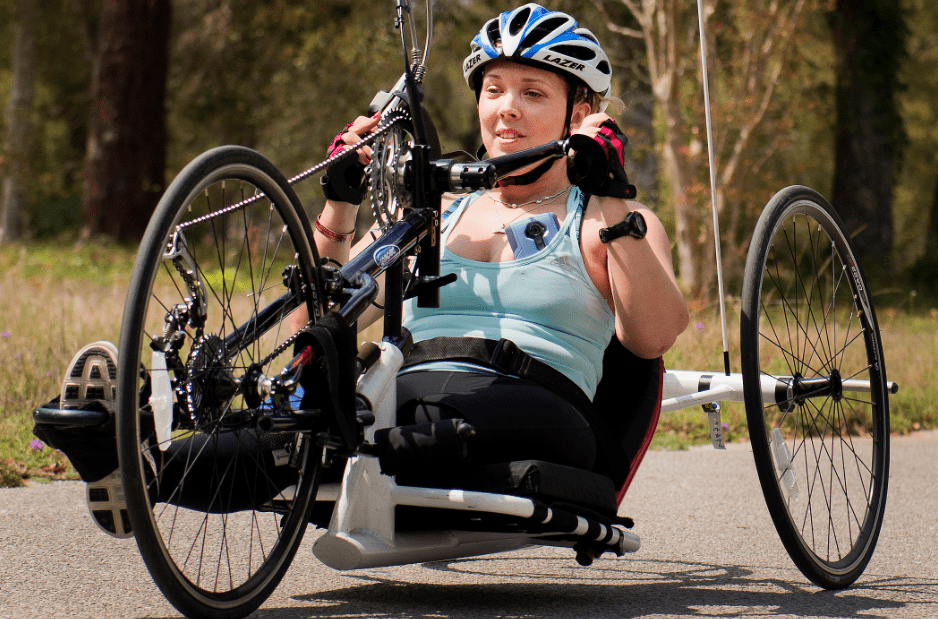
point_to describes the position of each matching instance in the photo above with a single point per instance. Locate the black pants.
(515, 419)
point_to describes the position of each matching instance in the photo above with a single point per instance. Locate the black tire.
(807, 317)
(213, 513)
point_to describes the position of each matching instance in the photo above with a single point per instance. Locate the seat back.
(628, 399)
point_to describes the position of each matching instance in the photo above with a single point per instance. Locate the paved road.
(709, 549)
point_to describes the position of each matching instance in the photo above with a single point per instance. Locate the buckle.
(507, 357)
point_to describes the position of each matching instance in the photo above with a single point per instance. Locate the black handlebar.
(448, 175)
(589, 162)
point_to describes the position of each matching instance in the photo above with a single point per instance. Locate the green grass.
(910, 346)
(54, 298)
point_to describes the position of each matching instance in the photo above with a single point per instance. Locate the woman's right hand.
(353, 135)
(345, 181)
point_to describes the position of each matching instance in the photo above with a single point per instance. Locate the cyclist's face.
(520, 107)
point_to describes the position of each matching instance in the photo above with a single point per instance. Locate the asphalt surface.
(709, 550)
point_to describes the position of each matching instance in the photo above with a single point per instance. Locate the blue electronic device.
(531, 234)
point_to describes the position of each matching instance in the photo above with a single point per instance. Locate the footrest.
(69, 418)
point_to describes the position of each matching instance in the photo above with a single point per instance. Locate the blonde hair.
(596, 101)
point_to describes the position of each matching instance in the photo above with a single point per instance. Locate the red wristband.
(333, 235)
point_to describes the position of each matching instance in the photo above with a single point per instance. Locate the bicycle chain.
(387, 123)
(287, 343)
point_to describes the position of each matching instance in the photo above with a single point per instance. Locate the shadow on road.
(551, 587)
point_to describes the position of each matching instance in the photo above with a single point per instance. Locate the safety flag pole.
(713, 185)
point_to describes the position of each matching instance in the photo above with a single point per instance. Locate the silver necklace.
(500, 229)
(537, 200)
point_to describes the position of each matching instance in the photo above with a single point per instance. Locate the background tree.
(870, 44)
(14, 204)
(284, 76)
(125, 160)
(916, 199)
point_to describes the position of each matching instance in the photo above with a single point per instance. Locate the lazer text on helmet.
(563, 62)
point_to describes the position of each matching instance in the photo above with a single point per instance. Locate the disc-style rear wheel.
(224, 276)
(815, 388)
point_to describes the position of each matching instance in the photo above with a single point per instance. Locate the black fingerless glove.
(613, 142)
(343, 181)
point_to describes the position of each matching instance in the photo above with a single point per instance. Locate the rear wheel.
(815, 388)
(224, 276)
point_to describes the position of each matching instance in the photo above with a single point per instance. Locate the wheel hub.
(211, 382)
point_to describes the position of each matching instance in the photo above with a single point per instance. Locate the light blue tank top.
(545, 303)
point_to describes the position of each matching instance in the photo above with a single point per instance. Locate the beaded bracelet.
(333, 235)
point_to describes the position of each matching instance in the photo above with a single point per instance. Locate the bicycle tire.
(821, 448)
(217, 515)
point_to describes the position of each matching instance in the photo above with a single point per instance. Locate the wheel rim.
(224, 505)
(823, 437)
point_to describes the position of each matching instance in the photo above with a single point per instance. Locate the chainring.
(390, 154)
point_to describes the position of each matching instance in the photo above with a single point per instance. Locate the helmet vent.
(604, 68)
(575, 51)
(520, 19)
(493, 32)
(542, 31)
(586, 34)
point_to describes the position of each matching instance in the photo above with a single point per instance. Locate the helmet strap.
(528, 177)
(571, 95)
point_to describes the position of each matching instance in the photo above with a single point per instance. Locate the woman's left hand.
(591, 124)
(604, 130)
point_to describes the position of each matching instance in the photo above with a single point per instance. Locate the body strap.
(505, 356)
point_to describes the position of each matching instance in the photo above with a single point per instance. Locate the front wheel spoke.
(223, 553)
(834, 480)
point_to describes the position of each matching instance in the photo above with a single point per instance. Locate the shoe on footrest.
(91, 377)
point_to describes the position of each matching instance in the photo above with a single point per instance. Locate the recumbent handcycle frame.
(222, 470)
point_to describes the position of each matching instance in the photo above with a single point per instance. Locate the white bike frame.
(362, 532)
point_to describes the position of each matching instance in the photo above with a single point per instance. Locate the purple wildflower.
(5, 334)
(699, 325)
(37, 445)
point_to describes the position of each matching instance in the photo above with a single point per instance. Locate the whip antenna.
(713, 185)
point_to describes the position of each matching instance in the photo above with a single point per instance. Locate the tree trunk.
(931, 238)
(679, 174)
(14, 208)
(869, 39)
(126, 153)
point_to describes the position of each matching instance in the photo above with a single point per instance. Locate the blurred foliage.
(284, 76)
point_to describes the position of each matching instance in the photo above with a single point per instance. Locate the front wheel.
(224, 276)
(815, 388)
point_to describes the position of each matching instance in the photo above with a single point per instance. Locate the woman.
(537, 77)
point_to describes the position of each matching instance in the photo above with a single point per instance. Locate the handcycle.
(223, 467)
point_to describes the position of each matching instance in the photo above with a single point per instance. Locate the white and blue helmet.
(536, 35)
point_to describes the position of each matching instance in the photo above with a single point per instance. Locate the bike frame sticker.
(385, 255)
